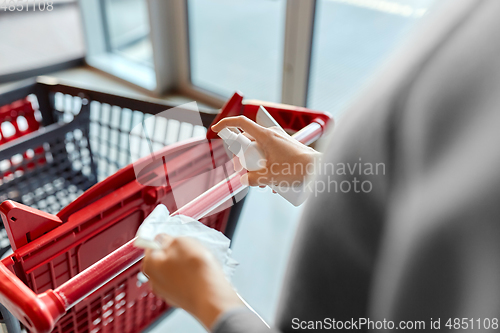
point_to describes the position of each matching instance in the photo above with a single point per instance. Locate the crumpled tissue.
(160, 222)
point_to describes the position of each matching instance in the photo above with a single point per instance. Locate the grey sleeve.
(411, 247)
(423, 243)
(440, 253)
(240, 320)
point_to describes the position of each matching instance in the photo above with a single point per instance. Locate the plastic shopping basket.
(22, 111)
(47, 171)
(77, 271)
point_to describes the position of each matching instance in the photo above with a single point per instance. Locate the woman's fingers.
(255, 130)
(248, 136)
(278, 130)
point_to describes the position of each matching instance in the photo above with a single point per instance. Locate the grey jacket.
(424, 243)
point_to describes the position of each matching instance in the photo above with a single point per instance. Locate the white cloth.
(160, 222)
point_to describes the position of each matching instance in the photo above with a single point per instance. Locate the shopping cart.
(93, 147)
(78, 271)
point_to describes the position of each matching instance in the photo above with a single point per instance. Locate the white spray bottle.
(250, 155)
(253, 159)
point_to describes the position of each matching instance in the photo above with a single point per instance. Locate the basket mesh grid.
(114, 145)
(55, 171)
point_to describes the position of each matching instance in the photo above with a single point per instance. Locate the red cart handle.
(40, 313)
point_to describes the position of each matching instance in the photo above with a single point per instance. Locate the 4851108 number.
(471, 324)
(26, 5)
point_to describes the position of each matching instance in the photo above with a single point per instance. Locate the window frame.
(169, 33)
(299, 33)
(99, 52)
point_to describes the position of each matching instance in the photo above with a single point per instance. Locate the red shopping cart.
(77, 271)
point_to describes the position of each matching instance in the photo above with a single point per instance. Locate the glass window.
(127, 24)
(118, 39)
(352, 38)
(237, 45)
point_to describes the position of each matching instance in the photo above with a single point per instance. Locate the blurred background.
(314, 53)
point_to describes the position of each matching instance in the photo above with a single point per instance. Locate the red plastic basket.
(77, 271)
(20, 115)
(22, 119)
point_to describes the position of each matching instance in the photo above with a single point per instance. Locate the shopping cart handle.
(106, 269)
(38, 313)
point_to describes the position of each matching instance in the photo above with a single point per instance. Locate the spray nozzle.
(227, 134)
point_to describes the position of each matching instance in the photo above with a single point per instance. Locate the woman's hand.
(288, 160)
(186, 275)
